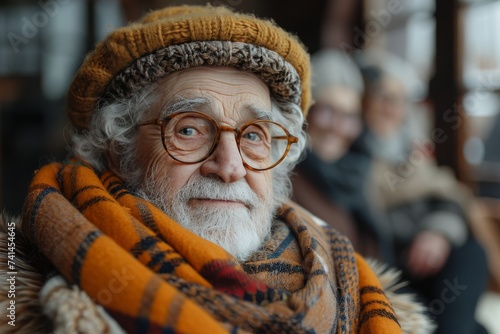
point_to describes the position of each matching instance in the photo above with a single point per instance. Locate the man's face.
(385, 108)
(218, 198)
(334, 121)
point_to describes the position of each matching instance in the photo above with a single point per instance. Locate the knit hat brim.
(279, 75)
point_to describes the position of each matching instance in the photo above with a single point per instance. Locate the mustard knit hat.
(177, 38)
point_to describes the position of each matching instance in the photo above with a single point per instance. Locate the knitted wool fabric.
(154, 276)
(176, 38)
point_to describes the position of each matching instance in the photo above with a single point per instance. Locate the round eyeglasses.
(191, 137)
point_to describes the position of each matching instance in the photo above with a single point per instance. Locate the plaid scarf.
(152, 275)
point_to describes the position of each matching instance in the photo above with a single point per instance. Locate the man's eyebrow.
(186, 104)
(259, 113)
(203, 104)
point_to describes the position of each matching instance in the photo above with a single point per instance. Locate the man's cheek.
(264, 186)
(177, 177)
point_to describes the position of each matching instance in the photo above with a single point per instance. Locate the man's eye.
(252, 136)
(188, 132)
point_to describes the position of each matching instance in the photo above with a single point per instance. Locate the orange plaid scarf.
(153, 276)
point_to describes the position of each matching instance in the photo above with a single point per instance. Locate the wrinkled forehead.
(390, 85)
(339, 96)
(220, 92)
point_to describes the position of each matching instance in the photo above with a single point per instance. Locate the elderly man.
(331, 181)
(173, 214)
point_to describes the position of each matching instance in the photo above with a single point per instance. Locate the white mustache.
(200, 187)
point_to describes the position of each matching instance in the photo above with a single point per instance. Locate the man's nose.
(349, 129)
(226, 162)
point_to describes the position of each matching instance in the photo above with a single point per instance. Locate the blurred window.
(481, 84)
(408, 31)
(42, 44)
(20, 40)
(48, 38)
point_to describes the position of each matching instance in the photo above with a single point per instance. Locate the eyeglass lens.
(190, 138)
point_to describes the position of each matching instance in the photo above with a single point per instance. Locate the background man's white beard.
(239, 230)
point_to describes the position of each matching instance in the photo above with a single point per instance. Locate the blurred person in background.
(427, 209)
(332, 179)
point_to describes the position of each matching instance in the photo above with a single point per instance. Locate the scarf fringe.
(72, 310)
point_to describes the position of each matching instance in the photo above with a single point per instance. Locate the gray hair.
(331, 67)
(113, 132)
(392, 65)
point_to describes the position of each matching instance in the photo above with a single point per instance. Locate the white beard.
(239, 230)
